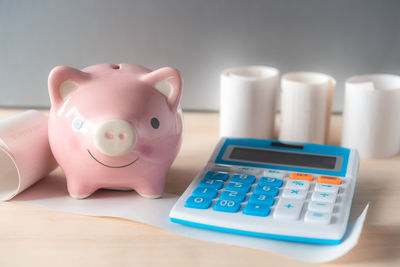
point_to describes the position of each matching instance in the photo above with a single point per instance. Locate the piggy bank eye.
(77, 124)
(155, 123)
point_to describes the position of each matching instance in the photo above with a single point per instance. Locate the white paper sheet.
(371, 121)
(52, 193)
(25, 155)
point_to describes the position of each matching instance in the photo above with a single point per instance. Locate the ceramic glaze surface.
(115, 126)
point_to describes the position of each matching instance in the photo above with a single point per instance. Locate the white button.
(317, 217)
(329, 188)
(249, 170)
(320, 206)
(298, 184)
(323, 197)
(294, 193)
(274, 174)
(222, 167)
(288, 209)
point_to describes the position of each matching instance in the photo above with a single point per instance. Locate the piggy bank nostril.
(122, 136)
(109, 136)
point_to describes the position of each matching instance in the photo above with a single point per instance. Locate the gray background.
(201, 38)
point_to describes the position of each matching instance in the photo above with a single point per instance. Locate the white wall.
(201, 38)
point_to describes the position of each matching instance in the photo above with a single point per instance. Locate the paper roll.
(371, 116)
(306, 101)
(247, 105)
(25, 155)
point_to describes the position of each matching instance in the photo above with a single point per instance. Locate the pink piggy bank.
(115, 126)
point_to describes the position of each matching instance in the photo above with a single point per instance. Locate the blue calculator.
(265, 188)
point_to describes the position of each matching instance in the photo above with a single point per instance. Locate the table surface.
(37, 236)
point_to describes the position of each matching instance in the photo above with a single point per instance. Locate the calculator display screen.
(283, 158)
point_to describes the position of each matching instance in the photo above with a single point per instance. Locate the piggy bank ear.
(168, 82)
(63, 81)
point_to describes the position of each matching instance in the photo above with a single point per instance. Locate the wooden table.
(35, 236)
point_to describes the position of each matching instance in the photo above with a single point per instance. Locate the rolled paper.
(25, 155)
(247, 104)
(371, 116)
(306, 102)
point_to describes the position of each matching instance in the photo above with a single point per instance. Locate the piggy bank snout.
(114, 137)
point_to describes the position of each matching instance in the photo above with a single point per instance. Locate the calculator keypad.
(294, 193)
(323, 197)
(329, 188)
(233, 195)
(288, 209)
(317, 217)
(201, 191)
(257, 210)
(295, 184)
(256, 192)
(198, 202)
(227, 205)
(211, 183)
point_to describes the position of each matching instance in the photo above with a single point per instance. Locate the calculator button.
(243, 178)
(298, 184)
(222, 167)
(294, 193)
(317, 217)
(233, 195)
(274, 174)
(320, 206)
(323, 197)
(217, 175)
(205, 192)
(270, 181)
(261, 199)
(329, 180)
(256, 210)
(301, 176)
(227, 205)
(249, 170)
(210, 183)
(288, 209)
(239, 187)
(266, 190)
(329, 188)
(198, 202)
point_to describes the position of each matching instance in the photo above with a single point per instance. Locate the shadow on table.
(378, 242)
(52, 186)
(178, 179)
(55, 186)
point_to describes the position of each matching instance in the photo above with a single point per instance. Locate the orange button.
(329, 179)
(301, 176)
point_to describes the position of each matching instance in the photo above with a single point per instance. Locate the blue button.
(210, 183)
(233, 195)
(227, 205)
(217, 175)
(198, 202)
(256, 210)
(261, 199)
(205, 192)
(266, 190)
(270, 181)
(243, 178)
(239, 187)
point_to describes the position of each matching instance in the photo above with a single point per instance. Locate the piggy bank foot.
(149, 196)
(79, 191)
(150, 191)
(79, 196)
